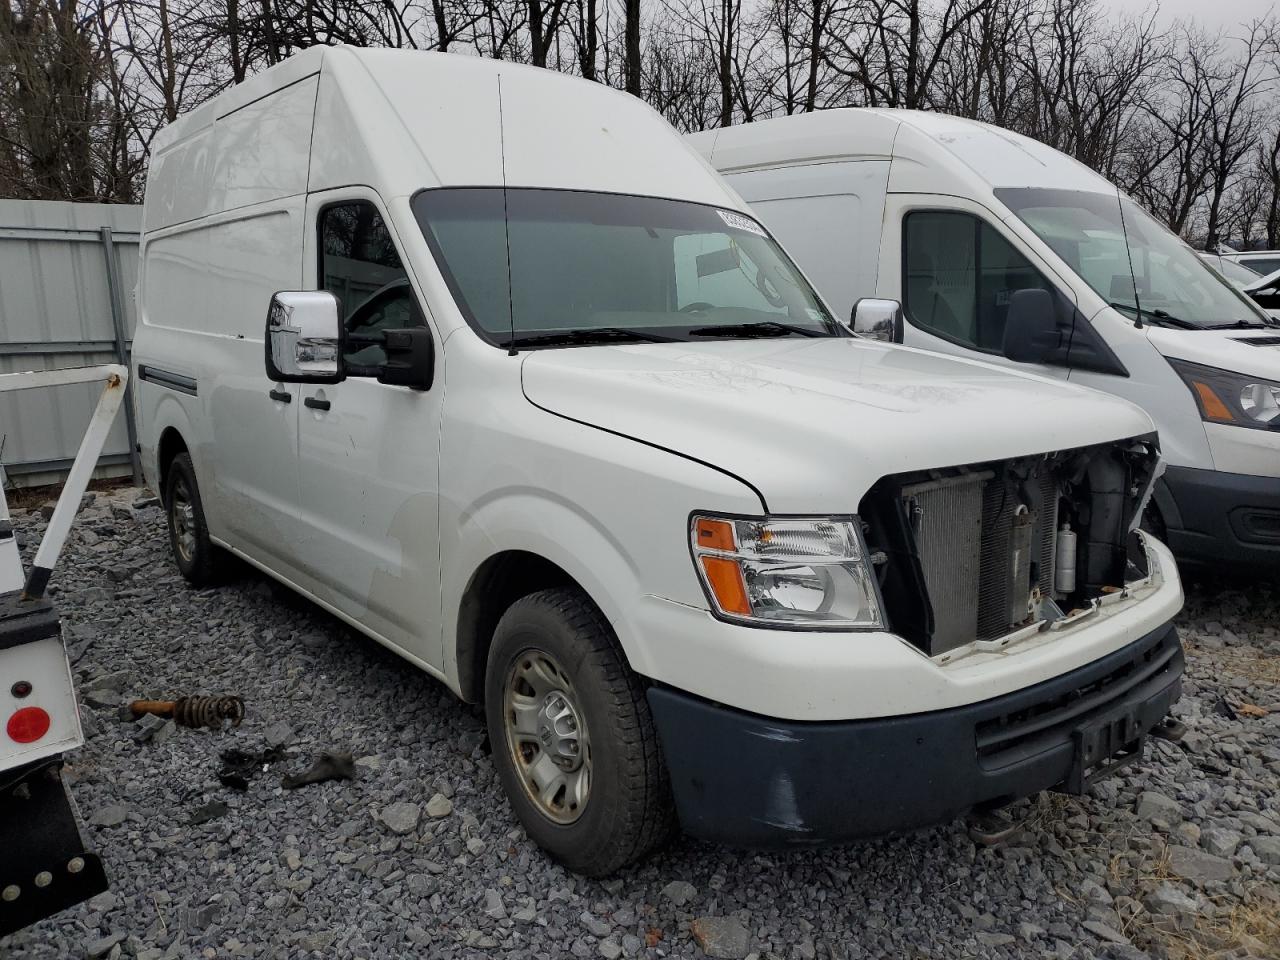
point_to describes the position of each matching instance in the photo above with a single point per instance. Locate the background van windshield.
(581, 267)
(1174, 285)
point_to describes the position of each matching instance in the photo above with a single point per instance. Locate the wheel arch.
(171, 444)
(494, 586)
(513, 545)
(168, 432)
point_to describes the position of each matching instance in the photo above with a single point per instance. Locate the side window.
(1263, 265)
(712, 268)
(360, 264)
(959, 274)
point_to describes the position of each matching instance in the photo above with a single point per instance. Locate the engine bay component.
(977, 552)
(1065, 561)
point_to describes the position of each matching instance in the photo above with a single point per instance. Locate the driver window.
(713, 268)
(359, 263)
(959, 277)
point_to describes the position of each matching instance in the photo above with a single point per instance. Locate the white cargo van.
(1000, 248)
(491, 365)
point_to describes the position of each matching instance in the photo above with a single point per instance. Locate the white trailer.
(44, 867)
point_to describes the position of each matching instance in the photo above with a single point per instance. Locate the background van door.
(954, 270)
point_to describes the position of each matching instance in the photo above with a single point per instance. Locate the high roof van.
(955, 220)
(488, 363)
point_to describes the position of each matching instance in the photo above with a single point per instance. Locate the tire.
(558, 640)
(198, 559)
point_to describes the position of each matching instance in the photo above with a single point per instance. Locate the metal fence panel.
(56, 310)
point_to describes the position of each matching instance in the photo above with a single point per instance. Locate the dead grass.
(28, 498)
(1251, 924)
(1258, 668)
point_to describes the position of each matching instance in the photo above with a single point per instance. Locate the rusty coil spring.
(208, 711)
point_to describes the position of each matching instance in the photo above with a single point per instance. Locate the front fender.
(557, 530)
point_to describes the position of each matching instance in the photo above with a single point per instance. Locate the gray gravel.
(419, 854)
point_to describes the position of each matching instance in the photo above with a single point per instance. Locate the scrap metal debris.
(990, 828)
(208, 811)
(1224, 709)
(328, 766)
(240, 766)
(197, 711)
(1170, 729)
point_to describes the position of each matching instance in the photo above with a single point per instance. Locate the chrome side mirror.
(878, 319)
(305, 338)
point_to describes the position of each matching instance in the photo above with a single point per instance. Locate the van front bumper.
(748, 780)
(1222, 519)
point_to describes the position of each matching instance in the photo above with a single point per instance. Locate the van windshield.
(558, 267)
(1169, 281)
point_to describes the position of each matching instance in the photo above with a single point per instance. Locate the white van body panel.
(977, 158)
(815, 392)
(850, 193)
(829, 676)
(385, 508)
(1222, 348)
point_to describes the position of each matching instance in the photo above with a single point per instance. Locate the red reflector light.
(28, 725)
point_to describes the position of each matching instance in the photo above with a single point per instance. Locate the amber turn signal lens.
(725, 578)
(1214, 408)
(713, 535)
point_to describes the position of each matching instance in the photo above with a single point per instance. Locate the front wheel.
(572, 736)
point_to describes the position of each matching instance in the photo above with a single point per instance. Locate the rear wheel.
(572, 736)
(198, 559)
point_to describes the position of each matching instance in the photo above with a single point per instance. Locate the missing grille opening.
(978, 551)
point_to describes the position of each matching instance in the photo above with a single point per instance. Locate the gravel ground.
(419, 855)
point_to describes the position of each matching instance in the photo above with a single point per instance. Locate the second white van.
(997, 247)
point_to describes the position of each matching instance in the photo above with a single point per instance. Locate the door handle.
(282, 395)
(315, 404)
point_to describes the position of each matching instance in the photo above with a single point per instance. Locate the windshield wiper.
(591, 335)
(1159, 317)
(764, 328)
(1247, 325)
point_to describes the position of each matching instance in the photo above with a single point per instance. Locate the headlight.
(808, 574)
(1226, 397)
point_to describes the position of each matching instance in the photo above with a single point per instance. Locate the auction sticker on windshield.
(738, 222)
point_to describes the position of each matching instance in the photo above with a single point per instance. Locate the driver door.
(368, 452)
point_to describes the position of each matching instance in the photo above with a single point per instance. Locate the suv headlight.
(805, 573)
(1226, 397)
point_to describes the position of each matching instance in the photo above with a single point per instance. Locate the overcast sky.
(1214, 14)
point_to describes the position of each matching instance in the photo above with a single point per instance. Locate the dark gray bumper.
(753, 781)
(1226, 520)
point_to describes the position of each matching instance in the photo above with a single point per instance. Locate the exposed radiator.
(946, 517)
(964, 534)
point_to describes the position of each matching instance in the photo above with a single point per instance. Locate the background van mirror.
(1031, 331)
(878, 319)
(304, 338)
